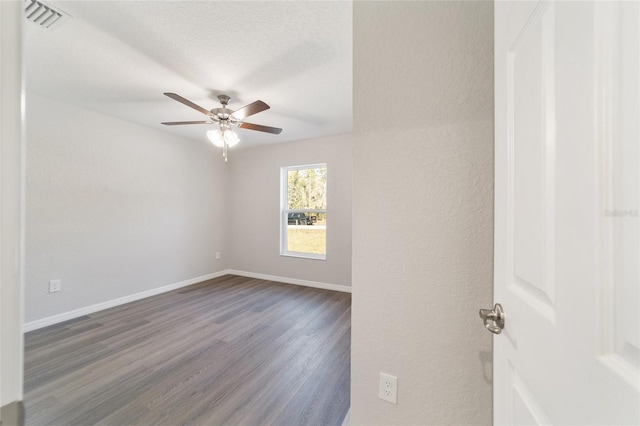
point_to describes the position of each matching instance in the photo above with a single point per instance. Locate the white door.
(567, 212)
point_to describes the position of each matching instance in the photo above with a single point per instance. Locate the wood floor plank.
(227, 351)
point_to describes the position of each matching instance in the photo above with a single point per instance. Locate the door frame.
(11, 211)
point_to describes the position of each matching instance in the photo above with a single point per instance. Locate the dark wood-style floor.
(232, 350)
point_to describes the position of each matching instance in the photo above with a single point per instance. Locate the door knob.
(493, 318)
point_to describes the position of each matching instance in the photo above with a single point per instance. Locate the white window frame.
(284, 212)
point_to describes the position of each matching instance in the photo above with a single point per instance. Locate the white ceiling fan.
(223, 136)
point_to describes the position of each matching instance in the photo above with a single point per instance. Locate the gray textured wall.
(423, 196)
(254, 206)
(114, 208)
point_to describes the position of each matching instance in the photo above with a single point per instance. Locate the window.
(303, 212)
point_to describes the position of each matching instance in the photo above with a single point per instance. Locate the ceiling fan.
(224, 137)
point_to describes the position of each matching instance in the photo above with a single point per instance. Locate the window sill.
(304, 255)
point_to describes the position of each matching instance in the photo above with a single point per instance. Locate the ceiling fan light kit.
(224, 137)
(220, 137)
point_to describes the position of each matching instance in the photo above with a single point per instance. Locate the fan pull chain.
(224, 148)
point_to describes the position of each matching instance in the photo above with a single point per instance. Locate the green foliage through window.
(307, 189)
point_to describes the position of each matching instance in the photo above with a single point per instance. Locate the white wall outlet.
(217, 255)
(54, 286)
(388, 388)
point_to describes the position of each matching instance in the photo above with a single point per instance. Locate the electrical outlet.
(388, 388)
(217, 255)
(55, 286)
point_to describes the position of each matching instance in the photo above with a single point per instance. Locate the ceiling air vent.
(43, 15)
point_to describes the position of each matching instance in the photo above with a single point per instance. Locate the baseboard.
(66, 316)
(347, 418)
(286, 280)
(12, 414)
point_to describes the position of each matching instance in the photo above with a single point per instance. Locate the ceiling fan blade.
(260, 128)
(252, 108)
(178, 123)
(188, 103)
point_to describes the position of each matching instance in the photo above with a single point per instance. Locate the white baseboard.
(66, 316)
(316, 284)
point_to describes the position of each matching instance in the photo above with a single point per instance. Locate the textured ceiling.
(118, 57)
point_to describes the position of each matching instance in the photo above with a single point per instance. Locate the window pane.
(304, 206)
(307, 233)
(307, 188)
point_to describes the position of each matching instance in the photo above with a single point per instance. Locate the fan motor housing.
(222, 114)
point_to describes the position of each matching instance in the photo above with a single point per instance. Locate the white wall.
(114, 208)
(11, 295)
(254, 209)
(422, 209)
